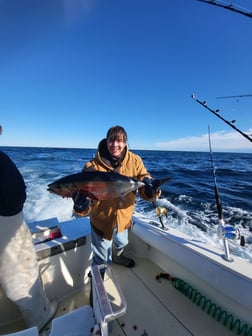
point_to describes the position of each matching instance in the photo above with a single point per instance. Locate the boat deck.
(154, 307)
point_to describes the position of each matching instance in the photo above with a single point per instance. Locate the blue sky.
(70, 69)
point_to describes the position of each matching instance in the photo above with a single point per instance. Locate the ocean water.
(189, 195)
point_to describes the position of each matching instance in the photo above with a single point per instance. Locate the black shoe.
(124, 261)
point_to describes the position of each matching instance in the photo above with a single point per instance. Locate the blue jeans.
(102, 248)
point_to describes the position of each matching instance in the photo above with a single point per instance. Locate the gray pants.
(19, 272)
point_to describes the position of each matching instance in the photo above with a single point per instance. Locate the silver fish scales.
(95, 185)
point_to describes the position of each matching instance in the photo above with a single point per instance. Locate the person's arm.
(81, 204)
(149, 192)
(12, 187)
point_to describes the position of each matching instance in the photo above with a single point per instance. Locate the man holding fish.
(111, 218)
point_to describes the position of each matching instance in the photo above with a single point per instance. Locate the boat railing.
(109, 302)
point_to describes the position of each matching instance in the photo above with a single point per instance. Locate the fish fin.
(159, 182)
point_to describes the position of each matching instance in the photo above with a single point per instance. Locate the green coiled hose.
(211, 308)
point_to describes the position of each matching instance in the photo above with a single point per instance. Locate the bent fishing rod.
(216, 113)
(229, 6)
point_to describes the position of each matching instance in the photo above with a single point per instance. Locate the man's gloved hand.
(150, 189)
(81, 202)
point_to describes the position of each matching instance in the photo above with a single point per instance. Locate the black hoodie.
(12, 187)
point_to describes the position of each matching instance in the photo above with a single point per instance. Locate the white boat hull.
(65, 263)
(204, 267)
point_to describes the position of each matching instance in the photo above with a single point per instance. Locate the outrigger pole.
(239, 96)
(229, 6)
(216, 113)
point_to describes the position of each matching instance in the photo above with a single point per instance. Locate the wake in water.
(203, 224)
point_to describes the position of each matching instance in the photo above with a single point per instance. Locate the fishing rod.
(229, 6)
(160, 212)
(216, 113)
(239, 96)
(216, 190)
(225, 231)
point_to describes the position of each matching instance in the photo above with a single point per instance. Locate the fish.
(97, 185)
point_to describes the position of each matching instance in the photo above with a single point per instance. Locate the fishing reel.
(161, 212)
(230, 232)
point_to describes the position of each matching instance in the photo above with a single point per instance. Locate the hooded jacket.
(105, 215)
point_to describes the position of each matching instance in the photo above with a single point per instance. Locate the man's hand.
(150, 189)
(81, 202)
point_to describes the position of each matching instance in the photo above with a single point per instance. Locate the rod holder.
(227, 232)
